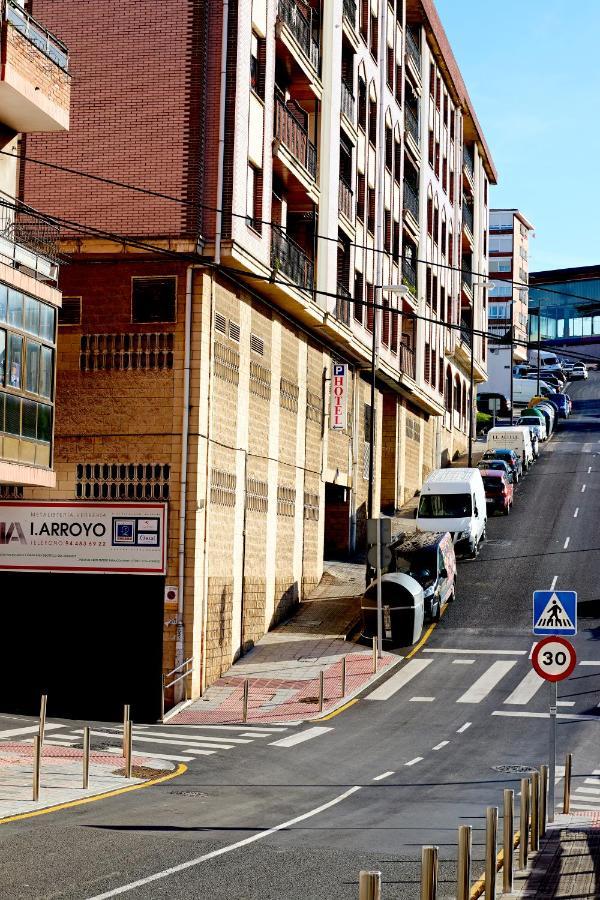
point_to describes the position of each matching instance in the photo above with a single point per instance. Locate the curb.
(479, 886)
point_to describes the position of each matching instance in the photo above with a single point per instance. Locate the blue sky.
(532, 68)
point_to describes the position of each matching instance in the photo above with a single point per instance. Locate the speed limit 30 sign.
(554, 658)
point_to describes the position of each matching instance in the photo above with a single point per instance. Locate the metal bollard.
(343, 676)
(567, 785)
(543, 800)
(321, 689)
(491, 851)
(374, 654)
(37, 765)
(43, 707)
(524, 824)
(126, 717)
(369, 884)
(86, 757)
(245, 700)
(508, 841)
(463, 883)
(535, 812)
(128, 752)
(429, 873)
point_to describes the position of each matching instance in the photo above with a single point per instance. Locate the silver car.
(536, 425)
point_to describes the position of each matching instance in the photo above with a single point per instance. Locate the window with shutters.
(391, 66)
(434, 294)
(254, 182)
(389, 147)
(432, 80)
(399, 84)
(362, 104)
(388, 230)
(427, 364)
(433, 369)
(438, 92)
(358, 297)
(431, 146)
(397, 160)
(396, 244)
(442, 303)
(429, 286)
(370, 309)
(437, 158)
(430, 216)
(257, 65)
(394, 339)
(364, 19)
(371, 210)
(451, 186)
(385, 322)
(436, 223)
(374, 35)
(372, 121)
(444, 236)
(360, 196)
(70, 312)
(154, 299)
(445, 174)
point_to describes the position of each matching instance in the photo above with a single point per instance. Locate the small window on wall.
(257, 65)
(70, 311)
(254, 198)
(15, 361)
(153, 300)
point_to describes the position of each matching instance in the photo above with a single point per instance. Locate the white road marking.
(583, 806)
(513, 714)
(30, 729)
(525, 690)
(590, 662)
(554, 580)
(535, 643)
(595, 792)
(440, 745)
(270, 728)
(294, 739)
(583, 488)
(575, 514)
(565, 703)
(252, 734)
(150, 740)
(168, 756)
(487, 682)
(414, 761)
(592, 781)
(477, 652)
(566, 544)
(381, 777)
(589, 469)
(186, 738)
(399, 680)
(223, 850)
(464, 727)
(463, 662)
(422, 699)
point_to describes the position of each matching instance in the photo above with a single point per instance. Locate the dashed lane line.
(464, 727)
(576, 513)
(440, 745)
(566, 543)
(382, 776)
(554, 580)
(422, 699)
(413, 762)
(463, 662)
(583, 488)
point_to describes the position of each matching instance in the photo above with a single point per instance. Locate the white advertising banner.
(83, 537)
(339, 397)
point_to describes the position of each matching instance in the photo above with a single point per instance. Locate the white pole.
(552, 773)
(379, 598)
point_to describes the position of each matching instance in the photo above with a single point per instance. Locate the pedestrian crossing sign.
(555, 612)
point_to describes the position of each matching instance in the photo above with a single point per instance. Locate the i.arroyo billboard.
(83, 537)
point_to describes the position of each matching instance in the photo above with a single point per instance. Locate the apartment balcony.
(413, 54)
(349, 10)
(297, 32)
(409, 276)
(411, 206)
(407, 361)
(412, 130)
(293, 146)
(288, 259)
(29, 242)
(343, 303)
(347, 101)
(469, 165)
(346, 200)
(468, 218)
(35, 86)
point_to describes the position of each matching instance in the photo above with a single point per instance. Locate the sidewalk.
(61, 776)
(568, 863)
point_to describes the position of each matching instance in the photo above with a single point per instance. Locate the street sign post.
(555, 612)
(379, 533)
(553, 659)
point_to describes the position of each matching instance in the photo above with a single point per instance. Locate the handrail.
(36, 33)
(177, 668)
(167, 684)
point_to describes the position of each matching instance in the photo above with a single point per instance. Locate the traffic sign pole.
(552, 775)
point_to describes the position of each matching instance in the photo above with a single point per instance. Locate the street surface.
(296, 812)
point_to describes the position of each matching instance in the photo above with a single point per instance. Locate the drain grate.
(515, 770)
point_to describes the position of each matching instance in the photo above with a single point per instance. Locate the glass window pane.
(32, 367)
(29, 428)
(13, 415)
(2, 356)
(47, 320)
(15, 360)
(15, 308)
(44, 423)
(3, 302)
(2, 404)
(32, 315)
(46, 372)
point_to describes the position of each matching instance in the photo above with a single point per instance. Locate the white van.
(547, 361)
(525, 389)
(454, 500)
(512, 437)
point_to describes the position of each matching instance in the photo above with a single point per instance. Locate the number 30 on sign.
(554, 658)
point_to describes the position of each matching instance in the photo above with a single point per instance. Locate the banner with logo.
(83, 537)
(339, 397)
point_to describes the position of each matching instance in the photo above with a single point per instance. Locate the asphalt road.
(265, 820)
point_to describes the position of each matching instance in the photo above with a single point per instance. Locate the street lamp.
(490, 286)
(400, 290)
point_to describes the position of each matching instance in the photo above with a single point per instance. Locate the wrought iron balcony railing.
(465, 332)
(411, 123)
(289, 259)
(412, 49)
(407, 361)
(469, 160)
(467, 278)
(291, 133)
(409, 275)
(411, 199)
(468, 216)
(36, 34)
(292, 16)
(343, 303)
(349, 8)
(29, 240)
(345, 198)
(347, 100)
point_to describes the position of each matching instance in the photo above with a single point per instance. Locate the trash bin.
(402, 609)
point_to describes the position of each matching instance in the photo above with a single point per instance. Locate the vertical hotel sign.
(339, 397)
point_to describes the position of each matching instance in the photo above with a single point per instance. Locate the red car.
(498, 491)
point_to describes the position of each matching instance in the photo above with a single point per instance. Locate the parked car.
(515, 437)
(454, 500)
(553, 380)
(498, 491)
(535, 424)
(429, 558)
(524, 389)
(563, 401)
(484, 405)
(512, 459)
(579, 371)
(492, 463)
(568, 367)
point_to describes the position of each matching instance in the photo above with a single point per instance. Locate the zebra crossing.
(473, 677)
(175, 744)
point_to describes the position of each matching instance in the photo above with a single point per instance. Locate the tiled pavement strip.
(567, 866)
(61, 776)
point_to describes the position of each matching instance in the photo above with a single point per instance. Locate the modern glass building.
(566, 304)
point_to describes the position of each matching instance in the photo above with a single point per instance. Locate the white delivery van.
(454, 500)
(512, 437)
(525, 389)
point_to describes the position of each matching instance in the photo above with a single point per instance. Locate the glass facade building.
(566, 304)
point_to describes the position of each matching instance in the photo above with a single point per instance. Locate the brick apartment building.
(315, 152)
